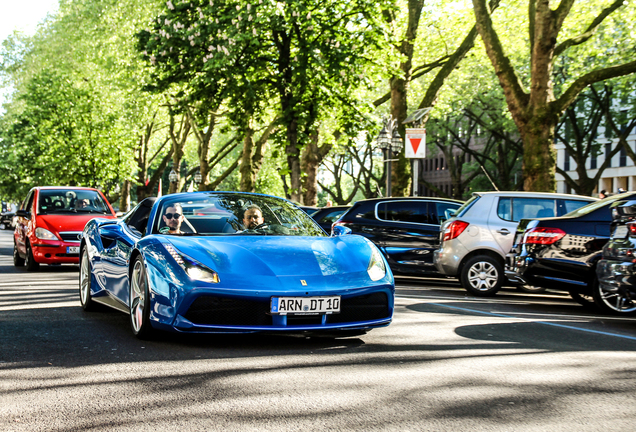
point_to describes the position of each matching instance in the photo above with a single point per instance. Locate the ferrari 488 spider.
(229, 262)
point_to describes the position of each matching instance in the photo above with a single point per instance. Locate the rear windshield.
(468, 204)
(599, 204)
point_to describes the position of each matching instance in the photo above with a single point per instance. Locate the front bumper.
(515, 267)
(55, 252)
(214, 313)
(616, 276)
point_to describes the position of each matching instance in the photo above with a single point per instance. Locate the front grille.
(362, 308)
(297, 320)
(70, 236)
(227, 311)
(208, 310)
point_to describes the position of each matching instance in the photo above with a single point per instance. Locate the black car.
(615, 271)
(6, 220)
(561, 253)
(326, 216)
(406, 229)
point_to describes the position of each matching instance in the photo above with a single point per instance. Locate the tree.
(536, 111)
(308, 55)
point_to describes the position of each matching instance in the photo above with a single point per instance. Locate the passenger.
(173, 217)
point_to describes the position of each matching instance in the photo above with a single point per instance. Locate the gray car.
(475, 241)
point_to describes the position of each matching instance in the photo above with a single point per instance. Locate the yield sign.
(415, 143)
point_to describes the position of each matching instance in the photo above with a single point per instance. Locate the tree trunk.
(124, 201)
(539, 155)
(252, 156)
(312, 157)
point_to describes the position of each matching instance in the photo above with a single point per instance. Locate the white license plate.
(72, 250)
(620, 232)
(305, 305)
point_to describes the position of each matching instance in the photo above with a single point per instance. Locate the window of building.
(566, 163)
(608, 152)
(622, 160)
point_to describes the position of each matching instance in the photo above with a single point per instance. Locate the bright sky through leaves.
(22, 15)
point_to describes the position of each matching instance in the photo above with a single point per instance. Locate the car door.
(118, 241)
(24, 223)
(502, 224)
(409, 234)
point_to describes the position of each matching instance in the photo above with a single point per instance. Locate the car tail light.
(454, 229)
(543, 236)
(632, 229)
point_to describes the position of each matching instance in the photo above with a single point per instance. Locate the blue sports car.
(231, 262)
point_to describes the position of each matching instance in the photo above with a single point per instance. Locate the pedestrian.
(602, 194)
(621, 190)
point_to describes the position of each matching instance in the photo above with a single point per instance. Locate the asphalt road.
(448, 362)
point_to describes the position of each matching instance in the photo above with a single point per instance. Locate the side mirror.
(339, 230)
(23, 213)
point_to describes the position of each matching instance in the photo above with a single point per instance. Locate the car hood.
(278, 255)
(66, 222)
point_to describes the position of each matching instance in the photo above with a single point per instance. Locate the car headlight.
(376, 268)
(192, 268)
(44, 234)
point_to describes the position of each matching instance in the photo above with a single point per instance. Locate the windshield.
(468, 204)
(233, 214)
(598, 204)
(71, 201)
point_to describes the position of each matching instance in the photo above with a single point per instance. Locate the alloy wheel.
(137, 297)
(483, 276)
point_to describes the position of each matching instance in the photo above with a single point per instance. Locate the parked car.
(6, 220)
(562, 253)
(326, 216)
(49, 221)
(285, 275)
(310, 210)
(406, 229)
(615, 271)
(475, 241)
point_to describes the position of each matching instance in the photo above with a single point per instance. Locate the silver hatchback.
(475, 241)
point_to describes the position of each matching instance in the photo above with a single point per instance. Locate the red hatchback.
(49, 221)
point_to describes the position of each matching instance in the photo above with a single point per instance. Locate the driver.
(252, 217)
(173, 217)
(81, 203)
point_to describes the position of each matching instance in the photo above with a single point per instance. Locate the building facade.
(620, 174)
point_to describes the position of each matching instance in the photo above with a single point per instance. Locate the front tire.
(18, 261)
(584, 300)
(614, 302)
(85, 276)
(530, 289)
(140, 302)
(482, 276)
(31, 264)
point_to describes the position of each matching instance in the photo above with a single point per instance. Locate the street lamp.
(390, 141)
(173, 177)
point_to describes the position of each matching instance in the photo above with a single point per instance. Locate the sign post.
(415, 149)
(415, 140)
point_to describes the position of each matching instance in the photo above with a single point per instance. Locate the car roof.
(535, 194)
(64, 188)
(417, 198)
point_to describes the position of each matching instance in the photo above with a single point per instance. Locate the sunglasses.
(171, 215)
